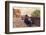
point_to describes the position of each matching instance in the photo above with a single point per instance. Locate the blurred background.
(32, 12)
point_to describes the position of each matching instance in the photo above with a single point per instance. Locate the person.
(27, 20)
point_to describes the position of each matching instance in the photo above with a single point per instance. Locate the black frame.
(7, 16)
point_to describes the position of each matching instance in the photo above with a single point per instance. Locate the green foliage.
(36, 13)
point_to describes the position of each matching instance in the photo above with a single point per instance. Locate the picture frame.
(10, 6)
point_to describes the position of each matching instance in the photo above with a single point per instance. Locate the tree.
(36, 13)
